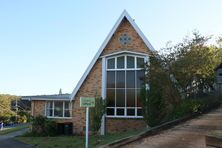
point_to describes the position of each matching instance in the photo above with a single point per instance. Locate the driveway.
(8, 141)
(190, 134)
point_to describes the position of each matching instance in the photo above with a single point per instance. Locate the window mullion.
(53, 108)
(136, 91)
(125, 110)
(63, 108)
(115, 87)
(125, 67)
(46, 108)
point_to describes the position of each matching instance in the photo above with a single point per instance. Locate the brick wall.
(38, 108)
(136, 44)
(122, 125)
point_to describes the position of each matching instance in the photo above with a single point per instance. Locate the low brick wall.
(121, 125)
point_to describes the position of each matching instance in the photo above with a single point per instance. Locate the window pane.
(120, 62)
(139, 112)
(130, 112)
(111, 97)
(139, 101)
(140, 78)
(120, 97)
(140, 62)
(130, 97)
(67, 113)
(110, 79)
(58, 109)
(130, 62)
(120, 112)
(110, 111)
(111, 63)
(49, 105)
(49, 112)
(130, 79)
(67, 105)
(120, 79)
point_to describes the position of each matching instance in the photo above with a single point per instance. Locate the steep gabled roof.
(131, 21)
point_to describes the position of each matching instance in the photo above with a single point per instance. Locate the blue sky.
(46, 45)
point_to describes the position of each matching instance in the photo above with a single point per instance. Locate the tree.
(5, 107)
(161, 96)
(177, 72)
(192, 63)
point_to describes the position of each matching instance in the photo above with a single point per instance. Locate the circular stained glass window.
(124, 39)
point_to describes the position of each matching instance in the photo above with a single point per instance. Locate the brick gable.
(92, 84)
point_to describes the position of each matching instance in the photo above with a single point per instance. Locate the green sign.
(87, 102)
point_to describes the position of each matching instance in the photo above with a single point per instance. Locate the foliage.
(5, 108)
(192, 63)
(96, 113)
(179, 79)
(159, 99)
(24, 116)
(42, 126)
(191, 105)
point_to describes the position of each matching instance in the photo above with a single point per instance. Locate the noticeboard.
(87, 102)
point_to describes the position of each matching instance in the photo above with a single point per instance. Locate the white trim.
(58, 117)
(63, 109)
(47, 99)
(28, 99)
(123, 15)
(124, 52)
(63, 106)
(125, 69)
(103, 93)
(53, 109)
(45, 108)
(129, 117)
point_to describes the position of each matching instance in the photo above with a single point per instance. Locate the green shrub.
(50, 128)
(22, 119)
(5, 119)
(190, 105)
(96, 114)
(41, 126)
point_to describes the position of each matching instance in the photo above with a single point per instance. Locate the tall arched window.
(124, 80)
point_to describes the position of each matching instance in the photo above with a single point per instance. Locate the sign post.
(87, 102)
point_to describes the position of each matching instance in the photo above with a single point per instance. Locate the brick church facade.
(115, 73)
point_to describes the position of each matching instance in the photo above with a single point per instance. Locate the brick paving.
(190, 134)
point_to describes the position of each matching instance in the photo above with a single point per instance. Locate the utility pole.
(16, 110)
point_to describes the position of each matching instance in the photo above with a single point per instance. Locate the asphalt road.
(12, 143)
(8, 141)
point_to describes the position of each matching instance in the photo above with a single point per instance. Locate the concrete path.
(190, 134)
(7, 141)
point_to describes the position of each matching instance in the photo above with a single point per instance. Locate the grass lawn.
(13, 129)
(74, 141)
